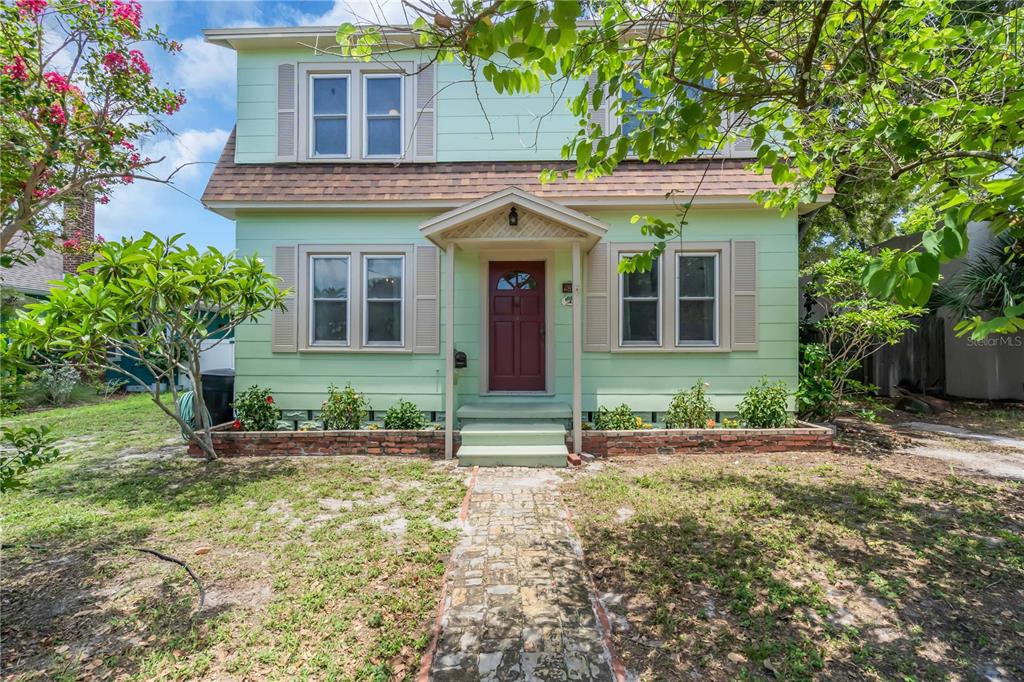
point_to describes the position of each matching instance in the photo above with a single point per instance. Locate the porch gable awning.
(491, 220)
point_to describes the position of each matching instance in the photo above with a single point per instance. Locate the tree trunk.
(203, 435)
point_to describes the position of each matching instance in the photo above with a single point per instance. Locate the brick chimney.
(81, 220)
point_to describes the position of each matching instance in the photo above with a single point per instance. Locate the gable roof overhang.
(539, 220)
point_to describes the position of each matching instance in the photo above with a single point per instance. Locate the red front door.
(517, 325)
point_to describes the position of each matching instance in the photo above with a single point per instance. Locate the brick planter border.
(681, 441)
(430, 443)
(227, 443)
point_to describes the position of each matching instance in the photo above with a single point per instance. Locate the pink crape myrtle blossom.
(130, 11)
(17, 69)
(138, 61)
(56, 114)
(114, 61)
(58, 83)
(33, 7)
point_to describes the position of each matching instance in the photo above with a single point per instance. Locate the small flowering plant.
(255, 410)
(345, 408)
(77, 94)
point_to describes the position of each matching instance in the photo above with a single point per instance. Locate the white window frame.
(313, 342)
(311, 122)
(366, 301)
(716, 299)
(365, 122)
(622, 305)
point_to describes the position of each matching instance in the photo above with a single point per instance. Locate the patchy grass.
(319, 568)
(807, 566)
(999, 418)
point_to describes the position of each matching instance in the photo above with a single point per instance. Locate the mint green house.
(428, 262)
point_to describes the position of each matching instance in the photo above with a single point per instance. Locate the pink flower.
(56, 114)
(127, 179)
(103, 200)
(33, 7)
(17, 69)
(138, 61)
(172, 107)
(237, 424)
(130, 11)
(99, 237)
(57, 82)
(114, 61)
(43, 193)
(126, 144)
(134, 158)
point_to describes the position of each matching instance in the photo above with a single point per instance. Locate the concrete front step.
(513, 432)
(513, 455)
(504, 410)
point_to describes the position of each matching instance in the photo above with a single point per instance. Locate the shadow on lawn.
(75, 593)
(837, 578)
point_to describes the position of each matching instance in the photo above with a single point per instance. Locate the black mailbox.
(460, 360)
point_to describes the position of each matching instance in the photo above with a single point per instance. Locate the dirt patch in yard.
(849, 566)
(313, 569)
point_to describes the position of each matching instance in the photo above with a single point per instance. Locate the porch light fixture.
(513, 217)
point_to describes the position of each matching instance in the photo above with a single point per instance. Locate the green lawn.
(318, 568)
(808, 566)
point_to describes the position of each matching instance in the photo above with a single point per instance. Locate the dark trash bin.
(219, 393)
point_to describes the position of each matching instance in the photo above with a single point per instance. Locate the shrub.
(24, 449)
(619, 419)
(404, 415)
(57, 382)
(255, 411)
(9, 407)
(344, 409)
(764, 405)
(690, 409)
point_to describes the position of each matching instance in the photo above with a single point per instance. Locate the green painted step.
(513, 433)
(502, 410)
(513, 455)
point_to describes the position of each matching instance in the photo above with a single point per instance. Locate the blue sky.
(207, 74)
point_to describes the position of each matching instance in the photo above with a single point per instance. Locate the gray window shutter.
(287, 114)
(284, 325)
(427, 313)
(596, 303)
(424, 142)
(744, 295)
(598, 117)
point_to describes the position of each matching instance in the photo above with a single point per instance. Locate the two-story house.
(401, 204)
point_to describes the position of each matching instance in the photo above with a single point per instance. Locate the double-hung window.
(697, 299)
(329, 119)
(329, 309)
(382, 109)
(640, 312)
(384, 300)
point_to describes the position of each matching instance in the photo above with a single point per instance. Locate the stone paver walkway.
(518, 604)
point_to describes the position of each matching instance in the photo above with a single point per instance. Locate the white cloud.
(205, 70)
(164, 209)
(357, 12)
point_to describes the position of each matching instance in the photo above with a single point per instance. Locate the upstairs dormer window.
(329, 119)
(382, 131)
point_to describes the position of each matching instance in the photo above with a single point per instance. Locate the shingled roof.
(457, 182)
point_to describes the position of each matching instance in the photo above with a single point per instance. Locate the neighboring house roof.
(449, 184)
(34, 278)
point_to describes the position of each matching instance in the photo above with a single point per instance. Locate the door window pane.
(329, 309)
(385, 287)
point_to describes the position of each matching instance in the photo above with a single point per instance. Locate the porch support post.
(449, 352)
(577, 350)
